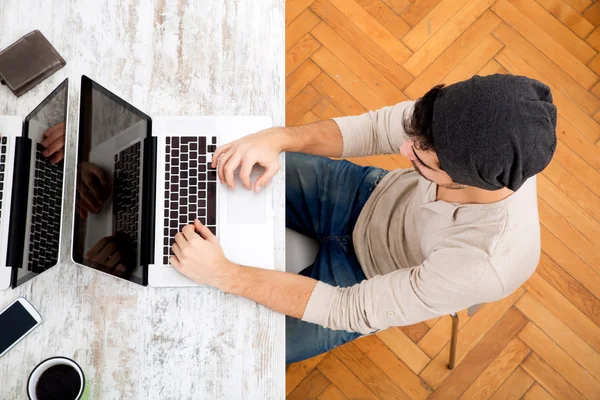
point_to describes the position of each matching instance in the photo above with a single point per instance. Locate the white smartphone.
(16, 321)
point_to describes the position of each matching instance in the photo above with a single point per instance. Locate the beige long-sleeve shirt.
(424, 258)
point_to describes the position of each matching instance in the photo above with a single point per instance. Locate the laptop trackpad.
(246, 206)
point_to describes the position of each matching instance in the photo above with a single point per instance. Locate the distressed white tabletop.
(167, 57)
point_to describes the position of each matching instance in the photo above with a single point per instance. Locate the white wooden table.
(167, 57)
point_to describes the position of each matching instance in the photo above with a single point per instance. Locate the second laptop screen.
(108, 204)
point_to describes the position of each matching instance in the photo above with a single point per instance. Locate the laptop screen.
(40, 203)
(108, 201)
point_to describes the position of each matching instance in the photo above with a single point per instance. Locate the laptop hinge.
(148, 205)
(18, 210)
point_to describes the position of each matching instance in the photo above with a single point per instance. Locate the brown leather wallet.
(27, 62)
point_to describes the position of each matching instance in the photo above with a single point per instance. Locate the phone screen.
(15, 322)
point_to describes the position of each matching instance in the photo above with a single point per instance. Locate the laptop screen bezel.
(19, 208)
(87, 87)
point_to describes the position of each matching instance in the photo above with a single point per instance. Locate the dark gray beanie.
(494, 131)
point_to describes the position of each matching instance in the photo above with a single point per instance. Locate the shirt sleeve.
(445, 283)
(375, 132)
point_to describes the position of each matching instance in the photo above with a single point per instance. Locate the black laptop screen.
(107, 232)
(39, 204)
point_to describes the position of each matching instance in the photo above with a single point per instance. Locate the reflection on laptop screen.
(108, 202)
(45, 127)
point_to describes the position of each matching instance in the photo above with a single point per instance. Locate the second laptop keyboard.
(190, 187)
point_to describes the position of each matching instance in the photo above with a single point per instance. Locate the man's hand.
(93, 189)
(261, 148)
(54, 142)
(199, 256)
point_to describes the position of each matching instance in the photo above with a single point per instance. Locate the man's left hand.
(199, 256)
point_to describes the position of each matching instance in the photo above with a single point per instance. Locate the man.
(403, 246)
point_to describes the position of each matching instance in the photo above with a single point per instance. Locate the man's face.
(427, 164)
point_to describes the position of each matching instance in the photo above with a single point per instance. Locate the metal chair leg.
(453, 340)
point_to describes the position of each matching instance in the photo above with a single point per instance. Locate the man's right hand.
(261, 148)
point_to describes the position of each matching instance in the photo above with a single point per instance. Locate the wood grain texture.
(513, 388)
(167, 58)
(554, 41)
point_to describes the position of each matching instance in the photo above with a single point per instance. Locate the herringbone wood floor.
(348, 56)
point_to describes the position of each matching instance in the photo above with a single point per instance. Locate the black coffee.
(60, 382)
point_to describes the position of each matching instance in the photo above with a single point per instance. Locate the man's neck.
(472, 195)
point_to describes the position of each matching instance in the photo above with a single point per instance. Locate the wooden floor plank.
(325, 110)
(417, 331)
(299, 28)
(594, 65)
(594, 39)
(337, 373)
(582, 74)
(300, 78)
(581, 147)
(475, 61)
(564, 309)
(576, 22)
(386, 17)
(300, 52)
(437, 370)
(453, 54)
(492, 378)
(393, 367)
(592, 14)
(568, 208)
(357, 64)
(310, 388)
(293, 8)
(308, 118)
(432, 23)
(584, 172)
(537, 393)
(297, 372)
(444, 38)
(357, 88)
(581, 298)
(566, 107)
(337, 96)
(404, 348)
(547, 69)
(576, 191)
(549, 379)
(369, 373)
(517, 384)
(301, 104)
(398, 6)
(482, 355)
(431, 322)
(579, 5)
(570, 262)
(439, 335)
(570, 236)
(555, 29)
(560, 333)
(560, 361)
(492, 68)
(331, 393)
(418, 10)
(381, 36)
(362, 43)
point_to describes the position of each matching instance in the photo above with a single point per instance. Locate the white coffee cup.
(42, 367)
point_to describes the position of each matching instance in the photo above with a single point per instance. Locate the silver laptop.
(31, 191)
(140, 180)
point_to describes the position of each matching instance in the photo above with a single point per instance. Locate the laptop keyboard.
(3, 155)
(45, 214)
(126, 197)
(190, 187)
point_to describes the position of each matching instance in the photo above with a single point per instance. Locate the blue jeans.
(323, 200)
